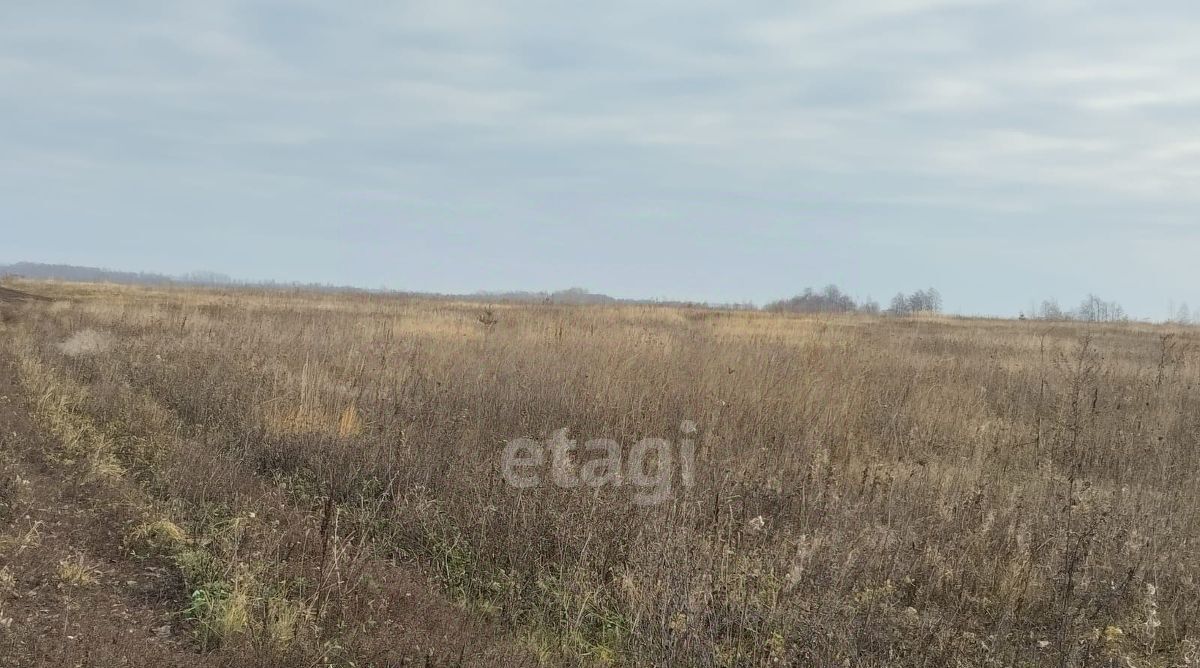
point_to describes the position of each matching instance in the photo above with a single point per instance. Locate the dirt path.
(70, 595)
(10, 295)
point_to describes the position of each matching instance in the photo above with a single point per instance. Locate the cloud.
(930, 114)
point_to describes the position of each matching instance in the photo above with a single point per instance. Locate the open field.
(277, 478)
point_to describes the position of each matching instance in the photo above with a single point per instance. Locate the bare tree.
(924, 301)
(1095, 309)
(1050, 310)
(935, 300)
(1181, 315)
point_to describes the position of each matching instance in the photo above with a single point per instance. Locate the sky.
(1003, 152)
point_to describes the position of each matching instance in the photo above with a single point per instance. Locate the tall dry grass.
(870, 492)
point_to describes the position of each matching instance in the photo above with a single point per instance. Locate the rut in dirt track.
(10, 296)
(124, 611)
(118, 612)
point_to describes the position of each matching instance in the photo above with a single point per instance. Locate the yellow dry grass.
(76, 572)
(877, 491)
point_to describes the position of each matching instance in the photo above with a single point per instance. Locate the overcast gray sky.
(1001, 151)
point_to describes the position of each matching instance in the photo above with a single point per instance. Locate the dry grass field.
(198, 477)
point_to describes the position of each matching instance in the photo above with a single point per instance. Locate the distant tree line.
(1091, 309)
(67, 272)
(568, 296)
(831, 299)
(921, 301)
